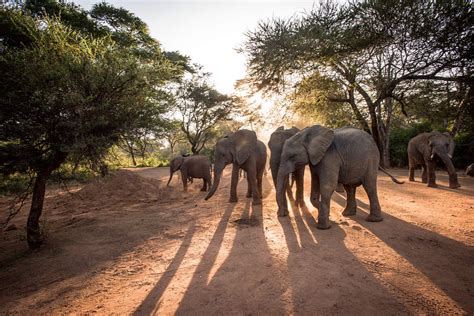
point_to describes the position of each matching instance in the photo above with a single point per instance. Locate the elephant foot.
(454, 185)
(283, 212)
(323, 224)
(257, 202)
(233, 200)
(411, 179)
(248, 195)
(432, 185)
(349, 211)
(424, 181)
(374, 218)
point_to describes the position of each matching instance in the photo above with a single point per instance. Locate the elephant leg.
(252, 177)
(323, 210)
(233, 183)
(411, 170)
(209, 183)
(315, 190)
(184, 179)
(260, 182)
(300, 186)
(431, 174)
(370, 187)
(351, 204)
(424, 174)
(249, 188)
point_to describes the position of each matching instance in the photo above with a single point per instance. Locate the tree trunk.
(33, 232)
(386, 153)
(134, 162)
(32, 227)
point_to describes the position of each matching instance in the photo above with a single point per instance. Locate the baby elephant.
(197, 166)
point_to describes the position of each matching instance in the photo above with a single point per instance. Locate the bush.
(464, 150)
(13, 184)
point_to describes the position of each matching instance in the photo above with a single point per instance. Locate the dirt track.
(127, 244)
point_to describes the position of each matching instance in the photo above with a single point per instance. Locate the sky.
(208, 31)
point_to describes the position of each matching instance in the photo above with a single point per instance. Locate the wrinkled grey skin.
(423, 150)
(243, 151)
(470, 170)
(346, 155)
(276, 142)
(197, 166)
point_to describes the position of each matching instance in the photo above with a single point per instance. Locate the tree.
(373, 50)
(174, 135)
(200, 108)
(65, 96)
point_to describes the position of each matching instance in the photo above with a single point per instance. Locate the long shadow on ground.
(439, 258)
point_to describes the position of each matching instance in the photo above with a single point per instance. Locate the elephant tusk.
(432, 156)
(450, 156)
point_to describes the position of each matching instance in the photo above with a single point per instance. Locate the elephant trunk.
(451, 149)
(217, 178)
(453, 177)
(282, 183)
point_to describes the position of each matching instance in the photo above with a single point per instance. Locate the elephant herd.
(346, 157)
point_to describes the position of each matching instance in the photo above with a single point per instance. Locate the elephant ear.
(317, 141)
(245, 143)
(451, 144)
(280, 128)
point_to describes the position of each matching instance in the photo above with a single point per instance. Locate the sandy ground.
(128, 244)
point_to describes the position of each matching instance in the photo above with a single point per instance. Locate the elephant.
(470, 170)
(346, 155)
(276, 142)
(244, 151)
(197, 166)
(422, 150)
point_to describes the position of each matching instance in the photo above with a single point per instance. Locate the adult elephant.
(423, 149)
(197, 167)
(276, 142)
(346, 155)
(243, 151)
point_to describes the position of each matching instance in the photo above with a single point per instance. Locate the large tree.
(372, 50)
(67, 95)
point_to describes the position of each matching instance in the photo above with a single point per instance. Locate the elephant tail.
(392, 177)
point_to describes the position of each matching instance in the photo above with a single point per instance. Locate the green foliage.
(73, 95)
(312, 100)
(14, 183)
(464, 151)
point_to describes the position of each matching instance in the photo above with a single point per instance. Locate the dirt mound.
(120, 187)
(122, 184)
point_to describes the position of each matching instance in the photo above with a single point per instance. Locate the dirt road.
(128, 244)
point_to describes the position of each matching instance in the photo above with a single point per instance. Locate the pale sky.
(208, 31)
